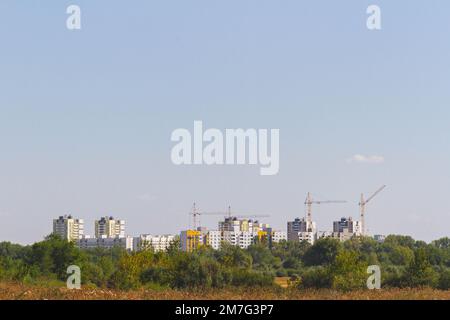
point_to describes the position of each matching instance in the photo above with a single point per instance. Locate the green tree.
(315, 277)
(420, 273)
(444, 279)
(263, 258)
(443, 243)
(348, 271)
(53, 255)
(400, 255)
(233, 257)
(323, 252)
(398, 240)
(130, 267)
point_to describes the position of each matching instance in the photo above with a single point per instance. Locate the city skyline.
(86, 116)
(237, 230)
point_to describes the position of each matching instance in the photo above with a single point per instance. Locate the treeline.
(328, 263)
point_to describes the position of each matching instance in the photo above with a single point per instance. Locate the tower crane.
(195, 213)
(309, 202)
(246, 215)
(362, 208)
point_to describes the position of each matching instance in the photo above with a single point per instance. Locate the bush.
(444, 279)
(420, 273)
(194, 270)
(157, 274)
(316, 277)
(348, 271)
(392, 276)
(323, 252)
(247, 278)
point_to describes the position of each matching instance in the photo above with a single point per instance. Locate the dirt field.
(19, 291)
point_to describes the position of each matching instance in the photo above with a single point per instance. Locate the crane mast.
(362, 208)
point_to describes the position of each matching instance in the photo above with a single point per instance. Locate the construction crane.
(362, 208)
(195, 213)
(309, 202)
(230, 215)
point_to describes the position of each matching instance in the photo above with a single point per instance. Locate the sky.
(86, 115)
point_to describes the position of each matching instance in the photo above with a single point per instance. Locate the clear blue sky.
(86, 116)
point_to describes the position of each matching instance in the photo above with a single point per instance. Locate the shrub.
(444, 279)
(348, 271)
(251, 278)
(316, 277)
(420, 273)
(323, 252)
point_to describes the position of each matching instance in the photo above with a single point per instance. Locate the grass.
(15, 291)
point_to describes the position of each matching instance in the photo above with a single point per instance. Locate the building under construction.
(242, 231)
(305, 229)
(235, 230)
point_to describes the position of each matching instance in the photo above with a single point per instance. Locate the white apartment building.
(214, 239)
(324, 234)
(156, 242)
(277, 236)
(308, 236)
(109, 227)
(105, 242)
(68, 228)
(344, 235)
(235, 224)
(242, 239)
(240, 232)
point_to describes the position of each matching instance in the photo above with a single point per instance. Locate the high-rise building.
(343, 230)
(274, 236)
(68, 228)
(214, 239)
(247, 225)
(347, 225)
(241, 233)
(191, 240)
(301, 230)
(108, 227)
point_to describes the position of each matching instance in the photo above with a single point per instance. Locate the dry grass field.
(13, 291)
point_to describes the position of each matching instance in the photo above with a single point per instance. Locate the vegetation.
(16, 291)
(326, 265)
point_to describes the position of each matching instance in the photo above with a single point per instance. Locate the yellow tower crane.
(362, 208)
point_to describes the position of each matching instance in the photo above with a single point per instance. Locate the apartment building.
(246, 225)
(191, 240)
(156, 242)
(233, 231)
(277, 236)
(347, 225)
(109, 227)
(105, 242)
(213, 238)
(301, 230)
(68, 227)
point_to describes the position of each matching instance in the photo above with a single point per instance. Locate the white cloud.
(359, 158)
